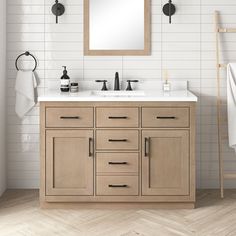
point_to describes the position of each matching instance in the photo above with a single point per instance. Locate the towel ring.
(26, 54)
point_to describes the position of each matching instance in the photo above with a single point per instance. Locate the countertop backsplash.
(141, 85)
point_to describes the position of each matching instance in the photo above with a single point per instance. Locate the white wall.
(185, 48)
(2, 95)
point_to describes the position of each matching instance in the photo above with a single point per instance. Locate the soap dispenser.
(65, 81)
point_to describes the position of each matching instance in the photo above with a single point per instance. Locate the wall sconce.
(58, 10)
(169, 10)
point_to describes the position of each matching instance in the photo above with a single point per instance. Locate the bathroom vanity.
(138, 149)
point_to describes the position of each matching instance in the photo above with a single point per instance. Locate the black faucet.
(129, 88)
(104, 87)
(117, 82)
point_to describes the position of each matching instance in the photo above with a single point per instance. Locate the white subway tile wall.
(185, 48)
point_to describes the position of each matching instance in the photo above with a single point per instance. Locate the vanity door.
(165, 162)
(69, 162)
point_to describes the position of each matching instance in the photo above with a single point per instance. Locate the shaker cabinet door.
(69, 162)
(165, 162)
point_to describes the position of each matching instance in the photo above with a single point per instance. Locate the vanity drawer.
(69, 117)
(117, 139)
(117, 117)
(165, 117)
(117, 162)
(117, 185)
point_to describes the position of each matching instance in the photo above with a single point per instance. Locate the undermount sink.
(119, 93)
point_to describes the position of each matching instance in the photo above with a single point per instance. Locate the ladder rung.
(227, 30)
(222, 65)
(221, 102)
(224, 137)
(230, 176)
(223, 122)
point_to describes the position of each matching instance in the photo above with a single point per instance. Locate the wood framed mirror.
(116, 27)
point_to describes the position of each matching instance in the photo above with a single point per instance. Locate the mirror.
(116, 27)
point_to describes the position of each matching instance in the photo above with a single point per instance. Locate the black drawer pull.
(166, 117)
(69, 117)
(117, 163)
(146, 147)
(117, 185)
(117, 117)
(117, 140)
(90, 147)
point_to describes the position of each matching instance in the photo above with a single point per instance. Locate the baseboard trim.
(118, 206)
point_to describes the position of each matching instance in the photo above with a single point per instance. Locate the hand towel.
(25, 88)
(231, 103)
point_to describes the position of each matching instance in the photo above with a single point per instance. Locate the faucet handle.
(129, 88)
(104, 87)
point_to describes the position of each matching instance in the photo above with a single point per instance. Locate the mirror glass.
(116, 27)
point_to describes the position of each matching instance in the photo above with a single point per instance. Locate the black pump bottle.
(65, 81)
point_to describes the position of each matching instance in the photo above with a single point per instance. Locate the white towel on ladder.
(231, 103)
(25, 87)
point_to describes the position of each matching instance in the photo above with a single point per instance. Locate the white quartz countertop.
(159, 96)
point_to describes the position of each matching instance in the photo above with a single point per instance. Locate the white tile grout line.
(200, 146)
(161, 42)
(44, 28)
(122, 67)
(83, 73)
(6, 104)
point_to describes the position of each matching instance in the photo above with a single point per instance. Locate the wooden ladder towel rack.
(220, 66)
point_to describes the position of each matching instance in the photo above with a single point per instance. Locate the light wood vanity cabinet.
(119, 117)
(118, 152)
(69, 162)
(62, 117)
(165, 162)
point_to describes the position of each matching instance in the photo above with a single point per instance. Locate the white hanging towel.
(25, 87)
(231, 103)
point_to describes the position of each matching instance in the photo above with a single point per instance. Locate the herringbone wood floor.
(20, 215)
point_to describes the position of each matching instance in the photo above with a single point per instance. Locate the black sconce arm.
(58, 10)
(169, 10)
